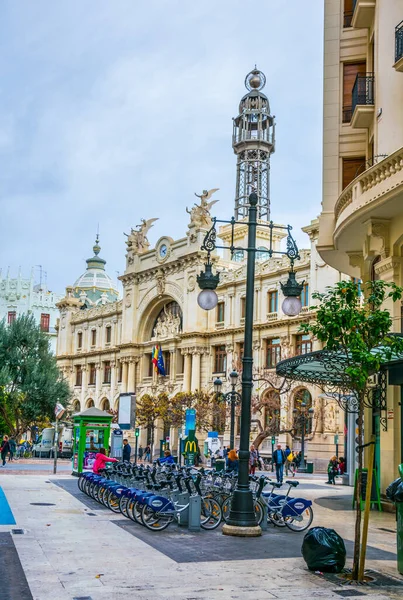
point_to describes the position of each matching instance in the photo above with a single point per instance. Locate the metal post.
(232, 430)
(55, 449)
(135, 449)
(242, 521)
(302, 466)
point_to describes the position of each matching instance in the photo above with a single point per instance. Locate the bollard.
(183, 516)
(263, 524)
(194, 513)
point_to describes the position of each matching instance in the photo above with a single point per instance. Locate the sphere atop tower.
(255, 80)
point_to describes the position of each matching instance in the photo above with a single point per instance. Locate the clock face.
(163, 250)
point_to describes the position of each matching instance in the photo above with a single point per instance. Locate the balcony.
(399, 47)
(347, 18)
(363, 13)
(363, 100)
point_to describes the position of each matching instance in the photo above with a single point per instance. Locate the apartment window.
(80, 339)
(93, 374)
(220, 312)
(352, 167)
(303, 344)
(179, 362)
(350, 72)
(348, 12)
(108, 334)
(243, 307)
(150, 365)
(107, 371)
(305, 295)
(272, 301)
(120, 371)
(273, 354)
(220, 359)
(79, 376)
(45, 319)
(11, 317)
(93, 337)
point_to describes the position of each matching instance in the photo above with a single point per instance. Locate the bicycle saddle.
(293, 483)
(276, 485)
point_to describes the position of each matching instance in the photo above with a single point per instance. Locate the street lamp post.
(242, 521)
(302, 419)
(233, 398)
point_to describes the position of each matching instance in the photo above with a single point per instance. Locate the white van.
(65, 443)
(44, 444)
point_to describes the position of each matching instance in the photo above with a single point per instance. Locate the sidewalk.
(73, 550)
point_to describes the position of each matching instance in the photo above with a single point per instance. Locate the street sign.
(127, 411)
(190, 420)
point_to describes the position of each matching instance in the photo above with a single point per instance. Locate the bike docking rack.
(156, 496)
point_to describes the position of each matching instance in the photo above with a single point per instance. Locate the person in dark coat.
(279, 460)
(127, 450)
(4, 450)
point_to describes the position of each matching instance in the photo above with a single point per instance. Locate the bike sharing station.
(92, 429)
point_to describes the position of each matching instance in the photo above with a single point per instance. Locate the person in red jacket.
(101, 459)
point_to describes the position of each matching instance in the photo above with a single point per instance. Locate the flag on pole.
(160, 363)
(154, 357)
(59, 410)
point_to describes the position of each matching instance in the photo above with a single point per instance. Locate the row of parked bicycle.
(158, 495)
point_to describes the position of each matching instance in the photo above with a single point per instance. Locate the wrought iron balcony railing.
(399, 41)
(363, 90)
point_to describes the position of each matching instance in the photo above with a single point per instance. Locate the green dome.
(95, 286)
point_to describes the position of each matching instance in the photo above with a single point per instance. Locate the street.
(71, 548)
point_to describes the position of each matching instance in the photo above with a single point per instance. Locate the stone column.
(229, 349)
(256, 353)
(113, 381)
(98, 382)
(130, 377)
(124, 374)
(187, 370)
(84, 370)
(172, 373)
(196, 362)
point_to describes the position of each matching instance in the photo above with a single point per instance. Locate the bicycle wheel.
(210, 514)
(81, 483)
(136, 512)
(300, 522)
(275, 518)
(112, 501)
(225, 508)
(155, 521)
(259, 511)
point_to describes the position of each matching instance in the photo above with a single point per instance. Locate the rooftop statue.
(200, 213)
(137, 240)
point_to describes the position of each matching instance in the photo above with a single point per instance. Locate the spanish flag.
(154, 357)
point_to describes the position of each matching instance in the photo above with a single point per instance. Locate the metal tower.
(253, 143)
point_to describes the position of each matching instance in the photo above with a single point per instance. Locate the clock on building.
(163, 250)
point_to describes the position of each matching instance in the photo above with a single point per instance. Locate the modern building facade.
(105, 349)
(361, 223)
(19, 295)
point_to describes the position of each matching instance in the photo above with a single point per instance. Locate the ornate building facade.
(105, 349)
(361, 223)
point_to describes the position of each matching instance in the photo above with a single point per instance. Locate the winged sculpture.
(137, 240)
(200, 213)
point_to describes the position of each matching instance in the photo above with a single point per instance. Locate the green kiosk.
(92, 430)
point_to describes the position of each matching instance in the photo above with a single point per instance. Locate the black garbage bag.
(394, 491)
(324, 550)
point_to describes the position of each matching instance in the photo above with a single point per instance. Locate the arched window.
(76, 406)
(272, 411)
(168, 322)
(90, 403)
(105, 404)
(302, 404)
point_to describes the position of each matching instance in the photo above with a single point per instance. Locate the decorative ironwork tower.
(253, 143)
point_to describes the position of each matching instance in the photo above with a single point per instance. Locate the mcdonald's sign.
(190, 447)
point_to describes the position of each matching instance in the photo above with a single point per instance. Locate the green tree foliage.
(30, 381)
(352, 321)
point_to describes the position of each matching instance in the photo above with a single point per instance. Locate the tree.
(30, 381)
(147, 413)
(351, 324)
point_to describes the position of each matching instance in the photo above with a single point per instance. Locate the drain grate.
(42, 504)
(82, 598)
(18, 531)
(349, 593)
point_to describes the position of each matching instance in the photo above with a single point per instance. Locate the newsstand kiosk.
(92, 430)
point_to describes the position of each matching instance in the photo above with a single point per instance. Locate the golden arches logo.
(190, 446)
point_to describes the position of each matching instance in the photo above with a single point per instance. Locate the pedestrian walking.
(332, 470)
(141, 452)
(287, 452)
(4, 450)
(279, 459)
(147, 453)
(253, 458)
(127, 450)
(233, 461)
(13, 448)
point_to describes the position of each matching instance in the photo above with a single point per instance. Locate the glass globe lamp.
(207, 299)
(291, 306)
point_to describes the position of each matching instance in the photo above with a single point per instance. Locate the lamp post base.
(237, 531)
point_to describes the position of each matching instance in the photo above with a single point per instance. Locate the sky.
(113, 111)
